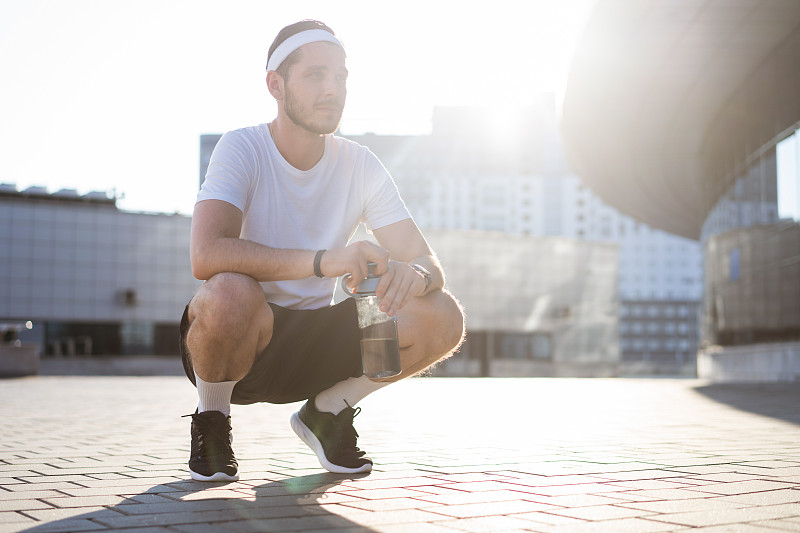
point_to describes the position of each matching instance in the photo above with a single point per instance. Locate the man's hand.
(399, 281)
(353, 260)
(398, 285)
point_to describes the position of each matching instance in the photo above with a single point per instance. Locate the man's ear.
(275, 84)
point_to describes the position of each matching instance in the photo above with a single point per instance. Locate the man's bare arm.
(406, 246)
(216, 247)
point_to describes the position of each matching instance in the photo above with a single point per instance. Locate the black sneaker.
(212, 455)
(332, 438)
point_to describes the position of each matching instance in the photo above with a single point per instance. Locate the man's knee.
(436, 321)
(452, 322)
(227, 301)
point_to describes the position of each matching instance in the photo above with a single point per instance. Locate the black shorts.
(311, 350)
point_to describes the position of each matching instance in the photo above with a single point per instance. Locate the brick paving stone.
(28, 495)
(438, 490)
(489, 524)
(783, 525)
(23, 505)
(744, 487)
(642, 475)
(680, 506)
(112, 489)
(369, 484)
(587, 488)
(723, 477)
(486, 486)
(651, 484)
(772, 497)
(659, 494)
(549, 481)
(86, 501)
(50, 514)
(602, 512)
(548, 519)
(38, 487)
(380, 494)
(738, 528)
(368, 518)
(403, 528)
(200, 528)
(603, 455)
(720, 517)
(394, 504)
(69, 525)
(492, 509)
(625, 525)
(575, 500)
(458, 497)
(9, 517)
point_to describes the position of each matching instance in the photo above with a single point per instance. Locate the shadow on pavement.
(776, 400)
(294, 504)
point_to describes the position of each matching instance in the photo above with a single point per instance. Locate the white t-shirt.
(284, 207)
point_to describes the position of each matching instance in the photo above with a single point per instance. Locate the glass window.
(788, 161)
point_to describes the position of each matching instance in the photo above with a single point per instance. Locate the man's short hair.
(287, 32)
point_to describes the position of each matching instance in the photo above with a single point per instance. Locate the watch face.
(425, 274)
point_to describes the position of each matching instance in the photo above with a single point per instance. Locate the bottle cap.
(367, 286)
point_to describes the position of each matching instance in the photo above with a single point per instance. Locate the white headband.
(296, 41)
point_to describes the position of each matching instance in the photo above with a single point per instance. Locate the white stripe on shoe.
(218, 476)
(311, 440)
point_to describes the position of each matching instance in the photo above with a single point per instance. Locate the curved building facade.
(685, 116)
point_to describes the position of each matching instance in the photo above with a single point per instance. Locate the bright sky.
(113, 94)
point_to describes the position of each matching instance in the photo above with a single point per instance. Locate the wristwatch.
(425, 274)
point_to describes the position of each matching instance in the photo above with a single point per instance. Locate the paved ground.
(545, 455)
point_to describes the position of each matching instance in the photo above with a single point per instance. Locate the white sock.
(346, 393)
(214, 396)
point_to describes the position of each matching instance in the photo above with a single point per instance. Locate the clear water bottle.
(380, 353)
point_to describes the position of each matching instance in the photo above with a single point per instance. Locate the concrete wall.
(92, 263)
(752, 363)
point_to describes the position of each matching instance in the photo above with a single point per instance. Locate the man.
(269, 236)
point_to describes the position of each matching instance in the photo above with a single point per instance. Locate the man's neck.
(299, 147)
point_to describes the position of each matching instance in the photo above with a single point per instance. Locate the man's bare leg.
(229, 322)
(429, 330)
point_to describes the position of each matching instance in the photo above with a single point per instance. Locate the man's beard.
(305, 117)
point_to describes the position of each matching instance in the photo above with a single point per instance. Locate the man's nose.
(334, 87)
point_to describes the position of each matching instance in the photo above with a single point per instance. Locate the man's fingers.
(397, 290)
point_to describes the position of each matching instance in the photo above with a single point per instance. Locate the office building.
(90, 278)
(505, 172)
(685, 117)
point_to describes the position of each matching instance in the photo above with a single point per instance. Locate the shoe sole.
(218, 476)
(311, 440)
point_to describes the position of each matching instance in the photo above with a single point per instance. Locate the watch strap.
(425, 274)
